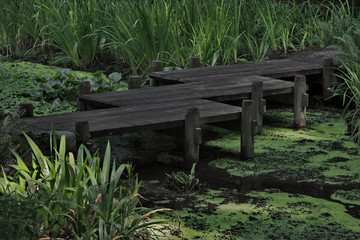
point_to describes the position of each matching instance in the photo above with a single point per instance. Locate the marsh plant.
(138, 31)
(62, 88)
(349, 87)
(183, 182)
(79, 196)
(8, 137)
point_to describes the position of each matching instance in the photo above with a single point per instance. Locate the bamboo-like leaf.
(39, 156)
(62, 149)
(106, 167)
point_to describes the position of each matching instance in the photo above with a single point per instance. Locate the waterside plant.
(137, 32)
(76, 197)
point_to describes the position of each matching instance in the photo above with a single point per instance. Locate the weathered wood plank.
(104, 122)
(232, 89)
(280, 68)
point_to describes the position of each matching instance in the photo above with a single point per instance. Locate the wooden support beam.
(26, 110)
(84, 88)
(195, 62)
(248, 130)
(82, 129)
(192, 134)
(156, 66)
(257, 95)
(134, 82)
(328, 77)
(301, 100)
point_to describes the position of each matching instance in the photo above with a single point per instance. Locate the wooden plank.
(280, 72)
(280, 68)
(132, 119)
(233, 89)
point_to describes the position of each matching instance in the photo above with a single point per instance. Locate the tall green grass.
(138, 31)
(349, 87)
(73, 196)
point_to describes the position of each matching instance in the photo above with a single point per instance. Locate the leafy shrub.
(62, 91)
(183, 182)
(18, 218)
(77, 197)
(349, 88)
(7, 138)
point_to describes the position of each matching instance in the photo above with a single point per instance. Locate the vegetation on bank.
(139, 31)
(132, 33)
(71, 197)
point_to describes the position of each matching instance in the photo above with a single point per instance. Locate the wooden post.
(83, 131)
(192, 134)
(134, 82)
(274, 54)
(257, 95)
(301, 100)
(84, 88)
(155, 67)
(195, 62)
(327, 76)
(248, 130)
(26, 110)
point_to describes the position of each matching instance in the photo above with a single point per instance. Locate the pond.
(302, 184)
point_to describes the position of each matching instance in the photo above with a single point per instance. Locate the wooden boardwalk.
(112, 121)
(195, 100)
(220, 91)
(273, 68)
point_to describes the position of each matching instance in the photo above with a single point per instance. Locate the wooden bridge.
(195, 96)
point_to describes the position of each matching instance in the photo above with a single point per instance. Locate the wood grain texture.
(272, 68)
(231, 89)
(120, 120)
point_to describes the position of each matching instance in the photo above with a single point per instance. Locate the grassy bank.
(137, 32)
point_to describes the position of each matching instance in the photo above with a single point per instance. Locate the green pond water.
(302, 184)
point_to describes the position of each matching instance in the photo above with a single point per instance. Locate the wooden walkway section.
(119, 120)
(196, 99)
(220, 91)
(273, 68)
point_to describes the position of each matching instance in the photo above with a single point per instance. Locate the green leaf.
(106, 167)
(39, 156)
